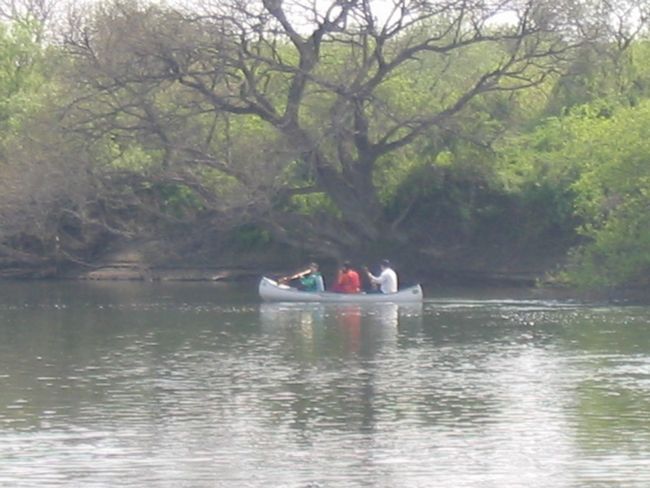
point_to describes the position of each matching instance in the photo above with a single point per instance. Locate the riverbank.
(150, 262)
(435, 282)
(141, 271)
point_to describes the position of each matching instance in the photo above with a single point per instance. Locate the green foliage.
(590, 169)
(127, 157)
(249, 237)
(618, 252)
(177, 200)
(314, 204)
(447, 195)
(614, 198)
(536, 170)
(23, 82)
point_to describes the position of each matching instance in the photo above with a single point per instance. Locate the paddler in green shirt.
(312, 280)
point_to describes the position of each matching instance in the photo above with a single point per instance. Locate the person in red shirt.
(347, 280)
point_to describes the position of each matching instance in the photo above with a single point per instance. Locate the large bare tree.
(319, 80)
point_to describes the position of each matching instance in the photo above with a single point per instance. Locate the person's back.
(387, 279)
(355, 281)
(348, 280)
(313, 281)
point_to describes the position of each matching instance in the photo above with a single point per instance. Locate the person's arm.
(320, 283)
(339, 276)
(339, 279)
(299, 274)
(373, 279)
(308, 282)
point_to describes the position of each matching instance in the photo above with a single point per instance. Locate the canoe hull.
(271, 291)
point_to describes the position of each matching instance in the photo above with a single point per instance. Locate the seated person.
(387, 279)
(310, 279)
(313, 280)
(347, 280)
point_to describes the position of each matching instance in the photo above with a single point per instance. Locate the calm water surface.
(199, 385)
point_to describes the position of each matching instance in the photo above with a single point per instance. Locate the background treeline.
(451, 135)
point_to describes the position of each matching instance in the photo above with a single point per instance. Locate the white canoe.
(271, 291)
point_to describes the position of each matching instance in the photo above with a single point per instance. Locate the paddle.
(294, 276)
(374, 287)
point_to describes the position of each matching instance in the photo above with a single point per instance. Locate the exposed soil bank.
(148, 263)
(140, 271)
(130, 266)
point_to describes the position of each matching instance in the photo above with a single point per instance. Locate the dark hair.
(385, 262)
(347, 265)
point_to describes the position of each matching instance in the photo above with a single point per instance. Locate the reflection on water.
(200, 386)
(370, 325)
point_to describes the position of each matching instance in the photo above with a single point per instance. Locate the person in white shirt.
(387, 279)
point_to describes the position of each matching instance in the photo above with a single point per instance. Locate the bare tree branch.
(318, 75)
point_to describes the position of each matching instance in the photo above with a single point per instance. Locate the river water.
(200, 385)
